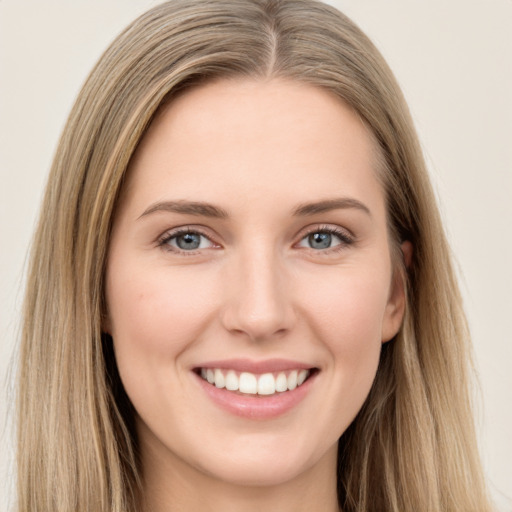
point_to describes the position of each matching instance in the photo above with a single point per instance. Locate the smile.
(256, 390)
(252, 383)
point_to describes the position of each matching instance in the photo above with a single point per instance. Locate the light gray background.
(453, 59)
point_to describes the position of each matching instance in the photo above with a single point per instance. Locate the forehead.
(254, 139)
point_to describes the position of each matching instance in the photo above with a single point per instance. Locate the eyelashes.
(186, 240)
(323, 239)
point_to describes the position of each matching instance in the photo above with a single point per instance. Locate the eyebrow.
(341, 203)
(198, 208)
(203, 209)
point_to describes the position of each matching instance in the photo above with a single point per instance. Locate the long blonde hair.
(412, 446)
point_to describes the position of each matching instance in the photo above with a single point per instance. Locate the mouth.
(255, 384)
(256, 390)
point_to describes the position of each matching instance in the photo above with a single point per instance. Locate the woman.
(240, 293)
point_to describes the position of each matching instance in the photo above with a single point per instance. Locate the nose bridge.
(259, 304)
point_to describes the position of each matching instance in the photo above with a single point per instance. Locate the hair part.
(412, 446)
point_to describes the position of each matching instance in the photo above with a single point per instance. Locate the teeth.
(248, 383)
(292, 380)
(301, 377)
(219, 379)
(266, 384)
(252, 384)
(282, 382)
(231, 381)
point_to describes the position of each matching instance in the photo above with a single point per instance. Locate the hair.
(412, 446)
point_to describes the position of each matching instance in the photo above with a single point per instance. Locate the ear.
(395, 308)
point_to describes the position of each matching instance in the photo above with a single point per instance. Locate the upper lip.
(251, 366)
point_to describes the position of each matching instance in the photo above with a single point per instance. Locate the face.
(249, 283)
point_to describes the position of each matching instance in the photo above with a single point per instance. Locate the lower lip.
(256, 407)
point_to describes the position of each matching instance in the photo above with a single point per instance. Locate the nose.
(259, 305)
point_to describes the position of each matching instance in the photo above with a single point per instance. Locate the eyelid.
(163, 239)
(346, 237)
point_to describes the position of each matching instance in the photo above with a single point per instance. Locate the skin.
(255, 289)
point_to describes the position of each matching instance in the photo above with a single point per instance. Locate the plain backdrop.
(453, 59)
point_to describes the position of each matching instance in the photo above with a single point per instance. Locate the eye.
(326, 238)
(186, 240)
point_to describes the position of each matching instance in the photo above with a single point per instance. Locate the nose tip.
(256, 327)
(259, 305)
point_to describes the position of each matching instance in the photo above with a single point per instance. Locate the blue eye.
(186, 240)
(325, 238)
(320, 240)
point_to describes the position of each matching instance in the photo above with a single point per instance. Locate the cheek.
(349, 307)
(346, 315)
(154, 316)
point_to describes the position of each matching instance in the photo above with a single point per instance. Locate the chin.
(257, 471)
(262, 461)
